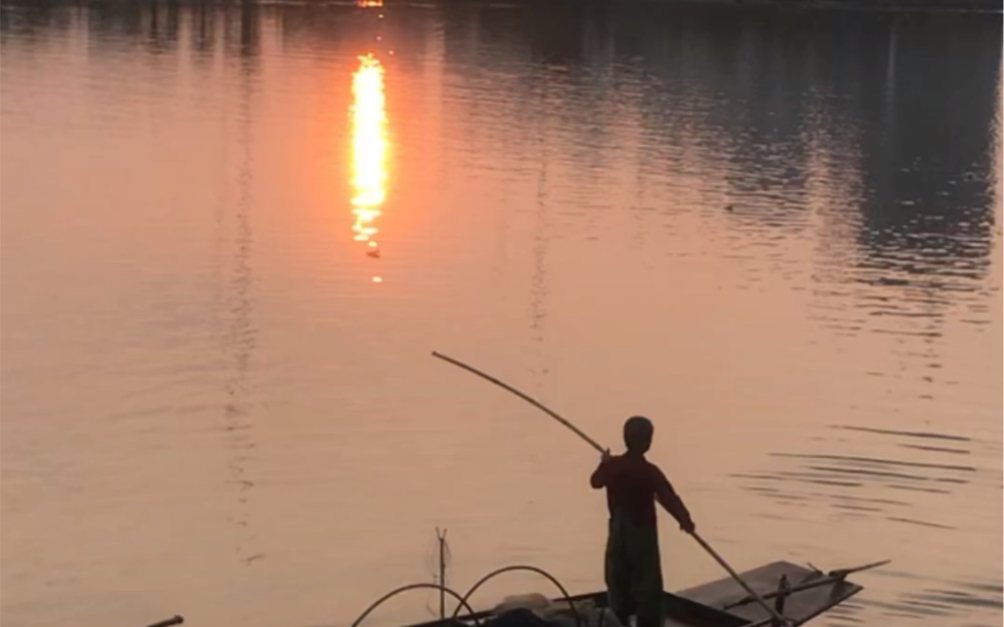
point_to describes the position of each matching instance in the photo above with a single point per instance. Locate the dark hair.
(638, 432)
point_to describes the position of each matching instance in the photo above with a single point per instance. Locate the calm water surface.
(230, 243)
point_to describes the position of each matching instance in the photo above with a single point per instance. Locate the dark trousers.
(633, 572)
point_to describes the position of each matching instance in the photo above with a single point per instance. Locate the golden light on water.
(369, 149)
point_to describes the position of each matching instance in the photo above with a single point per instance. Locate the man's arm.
(602, 473)
(667, 497)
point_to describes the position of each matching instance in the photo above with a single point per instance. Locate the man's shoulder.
(654, 469)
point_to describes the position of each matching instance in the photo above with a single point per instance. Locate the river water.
(232, 234)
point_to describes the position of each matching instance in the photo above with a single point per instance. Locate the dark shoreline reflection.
(764, 96)
(907, 135)
(867, 118)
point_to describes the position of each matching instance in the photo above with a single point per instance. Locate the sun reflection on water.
(369, 150)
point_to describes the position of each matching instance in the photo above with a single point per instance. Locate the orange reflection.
(369, 150)
(368, 4)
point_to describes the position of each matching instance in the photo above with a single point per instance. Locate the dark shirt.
(633, 485)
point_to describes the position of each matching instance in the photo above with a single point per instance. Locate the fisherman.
(633, 570)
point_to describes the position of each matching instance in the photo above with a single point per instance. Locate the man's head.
(638, 434)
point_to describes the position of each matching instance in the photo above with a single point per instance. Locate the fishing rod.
(523, 396)
(704, 545)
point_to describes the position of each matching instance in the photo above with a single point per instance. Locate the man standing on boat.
(633, 568)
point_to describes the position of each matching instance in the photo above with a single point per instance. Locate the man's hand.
(599, 478)
(688, 526)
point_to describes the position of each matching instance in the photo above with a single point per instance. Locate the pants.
(633, 572)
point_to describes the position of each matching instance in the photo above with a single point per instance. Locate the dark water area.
(232, 233)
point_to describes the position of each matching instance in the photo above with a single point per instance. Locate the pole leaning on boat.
(704, 545)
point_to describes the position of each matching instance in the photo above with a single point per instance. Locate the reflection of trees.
(747, 87)
(204, 30)
(250, 25)
(240, 339)
(350, 30)
(916, 94)
(163, 26)
(928, 167)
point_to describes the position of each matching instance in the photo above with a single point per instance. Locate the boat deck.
(800, 606)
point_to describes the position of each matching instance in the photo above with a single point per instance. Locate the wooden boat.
(797, 593)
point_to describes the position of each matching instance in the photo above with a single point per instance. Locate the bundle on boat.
(536, 610)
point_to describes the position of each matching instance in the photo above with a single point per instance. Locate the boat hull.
(723, 603)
